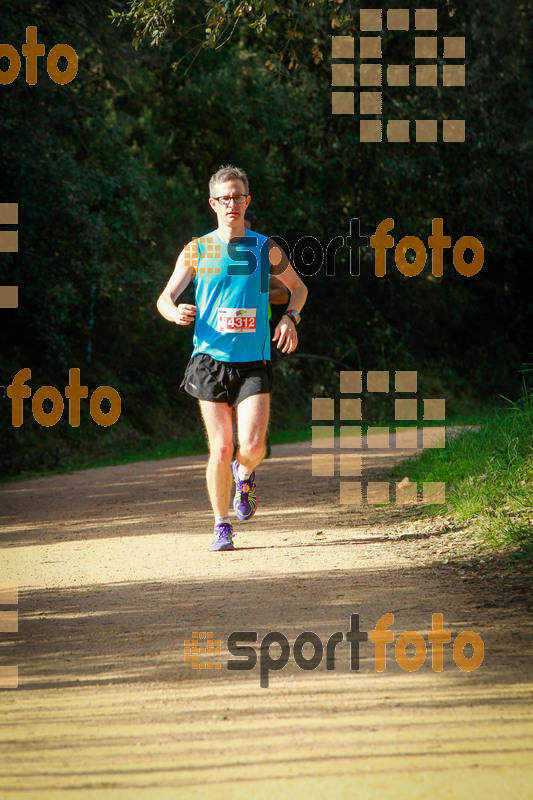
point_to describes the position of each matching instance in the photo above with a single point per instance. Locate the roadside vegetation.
(488, 471)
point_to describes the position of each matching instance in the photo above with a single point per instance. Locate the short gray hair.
(227, 173)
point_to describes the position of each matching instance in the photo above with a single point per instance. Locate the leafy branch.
(155, 20)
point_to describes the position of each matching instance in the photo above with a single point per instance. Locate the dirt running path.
(114, 573)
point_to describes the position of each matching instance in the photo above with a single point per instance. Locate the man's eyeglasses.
(226, 199)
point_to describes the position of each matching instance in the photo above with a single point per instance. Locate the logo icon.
(202, 644)
(9, 623)
(373, 74)
(9, 243)
(377, 437)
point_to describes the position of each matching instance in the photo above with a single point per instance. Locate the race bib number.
(236, 320)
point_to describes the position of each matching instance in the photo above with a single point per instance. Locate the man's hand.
(286, 334)
(185, 314)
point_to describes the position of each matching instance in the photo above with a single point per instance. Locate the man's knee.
(253, 448)
(221, 451)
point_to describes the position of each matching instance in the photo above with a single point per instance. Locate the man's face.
(232, 214)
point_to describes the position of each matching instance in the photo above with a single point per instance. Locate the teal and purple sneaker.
(223, 534)
(245, 500)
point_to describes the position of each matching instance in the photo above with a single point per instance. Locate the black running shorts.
(225, 381)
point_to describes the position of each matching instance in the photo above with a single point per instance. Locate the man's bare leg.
(252, 424)
(219, 426)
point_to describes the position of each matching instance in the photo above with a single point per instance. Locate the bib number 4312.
(236, 320)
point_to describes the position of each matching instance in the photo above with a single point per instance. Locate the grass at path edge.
(489, 478)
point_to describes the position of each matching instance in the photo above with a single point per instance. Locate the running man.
(230, 363)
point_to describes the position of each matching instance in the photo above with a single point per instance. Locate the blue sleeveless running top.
(231, 285)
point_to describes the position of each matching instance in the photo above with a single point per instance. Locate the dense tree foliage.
(111, 170)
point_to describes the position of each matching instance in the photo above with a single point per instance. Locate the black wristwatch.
(294, 315)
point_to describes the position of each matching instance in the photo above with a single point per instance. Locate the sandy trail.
(114, 573)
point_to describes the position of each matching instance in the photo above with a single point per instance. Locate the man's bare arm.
(278, 294)
(280, 267)
(184, 313)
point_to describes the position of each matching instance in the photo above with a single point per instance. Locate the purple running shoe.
(223, 537)
(245, 500)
